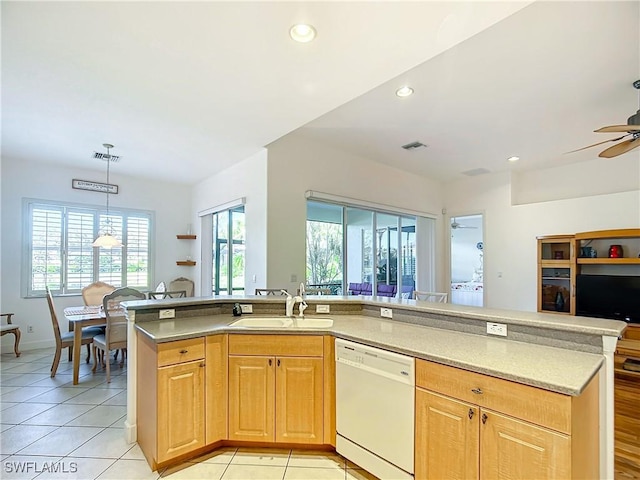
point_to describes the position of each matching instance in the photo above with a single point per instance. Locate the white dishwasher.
(375, 391)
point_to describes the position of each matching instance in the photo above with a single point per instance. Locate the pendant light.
(106, 239)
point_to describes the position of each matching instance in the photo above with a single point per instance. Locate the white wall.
(245, 179)
(24, 179)
(510, 247)
(296, 166)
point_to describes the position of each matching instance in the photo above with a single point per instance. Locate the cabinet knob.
(471, 412)
(278, 362)
(477, 391)
(269, 362)
(184, 351)
(202, 365)
(484, 418)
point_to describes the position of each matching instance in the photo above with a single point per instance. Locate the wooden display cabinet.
(556, 274)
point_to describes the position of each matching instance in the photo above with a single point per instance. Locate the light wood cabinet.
(556, 274)
(180, 409)
(216, 356)
(470, 426)
(447, 438)
(276, 393)
(170, 398)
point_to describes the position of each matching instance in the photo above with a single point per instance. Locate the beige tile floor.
(51, 429)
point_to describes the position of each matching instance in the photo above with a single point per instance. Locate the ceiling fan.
(632, 129)
(455, 224)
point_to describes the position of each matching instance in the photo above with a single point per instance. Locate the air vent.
(413, 145)
(475, 172)
(105, 157)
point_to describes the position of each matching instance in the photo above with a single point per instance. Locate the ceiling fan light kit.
(631, 129)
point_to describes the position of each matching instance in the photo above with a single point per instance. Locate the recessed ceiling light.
(513, 159)
(404, 91)
(302, 33)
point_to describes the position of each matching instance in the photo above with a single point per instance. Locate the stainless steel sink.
(282, 322)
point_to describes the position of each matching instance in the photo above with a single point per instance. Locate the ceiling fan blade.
(619, 128)
(620, 148)
(599, 143)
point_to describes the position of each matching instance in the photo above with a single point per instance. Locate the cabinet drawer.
(542, 407)
(275, 345)
(180, 351)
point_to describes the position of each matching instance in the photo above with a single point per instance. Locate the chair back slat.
(182, 283)
(116, 331)
(54, 318)
(92, 294)
(270, 291)
(431, 296)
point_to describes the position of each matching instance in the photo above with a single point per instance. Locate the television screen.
(608, 296)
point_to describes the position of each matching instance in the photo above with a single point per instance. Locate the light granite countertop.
(556, 369)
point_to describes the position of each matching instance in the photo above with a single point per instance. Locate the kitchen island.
(555, 354)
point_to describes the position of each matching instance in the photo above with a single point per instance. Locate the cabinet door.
(180, 409)
(216, 385)
(511, 448)
(447, 438)
(299, 400)
(251, 398)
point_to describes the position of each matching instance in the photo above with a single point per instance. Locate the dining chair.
(431, 296)
(92, 294)
(182, 283)
(115, 335)
(270, 291)
(165, 294)
(64, 340)
(161, 287)
(10, 327)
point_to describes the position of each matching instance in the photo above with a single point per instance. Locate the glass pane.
(324, 247)
(46, 252)
(223, 224)
(237, 259)
(408, 257)
(360, 260)
(137, 252)
(387, 254)
(110, 259)
(80, 233)
(214, 256)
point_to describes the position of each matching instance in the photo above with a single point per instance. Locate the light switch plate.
(246, 308)
(323, 308)
(167, 313)
(386, 313)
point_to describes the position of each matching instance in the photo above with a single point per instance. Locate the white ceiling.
(185, 89)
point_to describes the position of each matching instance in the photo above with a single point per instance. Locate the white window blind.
(60, 254)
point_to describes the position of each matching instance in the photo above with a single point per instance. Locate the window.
(228, 248)
(59, 251)
(358, 250)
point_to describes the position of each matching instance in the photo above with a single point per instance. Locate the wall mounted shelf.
(186, 263)
(186, 237)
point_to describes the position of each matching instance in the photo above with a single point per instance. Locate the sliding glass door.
(359, 251)
(228, 252)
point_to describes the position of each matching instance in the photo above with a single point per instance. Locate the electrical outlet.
(167, 313)
(323, 308)
(246, 308)
(386, 313)
(30, 329)
(497, 329)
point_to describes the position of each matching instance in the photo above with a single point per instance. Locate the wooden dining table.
(80, 317)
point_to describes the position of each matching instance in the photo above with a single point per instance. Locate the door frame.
(447, 245)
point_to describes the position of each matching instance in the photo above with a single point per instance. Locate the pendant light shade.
(106, 239)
